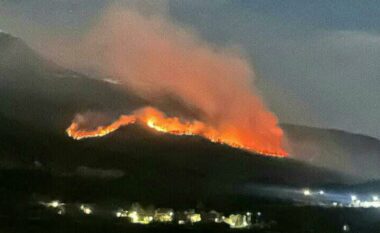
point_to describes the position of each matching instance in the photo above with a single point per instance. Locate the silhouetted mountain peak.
(18, 57)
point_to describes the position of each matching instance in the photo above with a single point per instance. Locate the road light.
(306, 192)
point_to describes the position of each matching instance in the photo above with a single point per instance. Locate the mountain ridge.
(48, 104)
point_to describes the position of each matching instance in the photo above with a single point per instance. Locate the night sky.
(317, 61)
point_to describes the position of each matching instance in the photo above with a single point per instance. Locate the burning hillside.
(158, 121)
(154, 57)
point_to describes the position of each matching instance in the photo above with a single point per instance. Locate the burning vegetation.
(158, 121)
(76, 133)
(154, 57)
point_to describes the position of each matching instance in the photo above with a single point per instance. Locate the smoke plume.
(156, 57)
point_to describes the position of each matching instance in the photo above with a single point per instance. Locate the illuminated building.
(163, 215)
(122, 213)
(369, 204)
(139, 218)
(192, 216)
(238, 221)
(137, 214)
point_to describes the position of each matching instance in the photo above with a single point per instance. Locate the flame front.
(159, 122)
(74, 131)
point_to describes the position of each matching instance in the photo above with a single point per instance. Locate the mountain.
(353, 154)
(137, 164)
(38, 99)
(39, 92)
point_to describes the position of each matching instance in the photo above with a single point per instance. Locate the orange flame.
(74, 132)
(158, 121)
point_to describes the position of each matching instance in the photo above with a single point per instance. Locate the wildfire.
(158, 121)
(74, 131)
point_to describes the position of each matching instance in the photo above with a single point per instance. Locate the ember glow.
(158, 121)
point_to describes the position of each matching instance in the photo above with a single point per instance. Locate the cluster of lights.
(188, 217)
(239, 220)
(192, 216)
(164, 216)
(308, 192)
(86, 209)
(55, 205)
(354, 201)
(122, 213)
(160, 215)
(60, 207)
(374, 202)
(141, 216)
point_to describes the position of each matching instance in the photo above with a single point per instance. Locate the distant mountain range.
(38, 99)
(349, 153)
